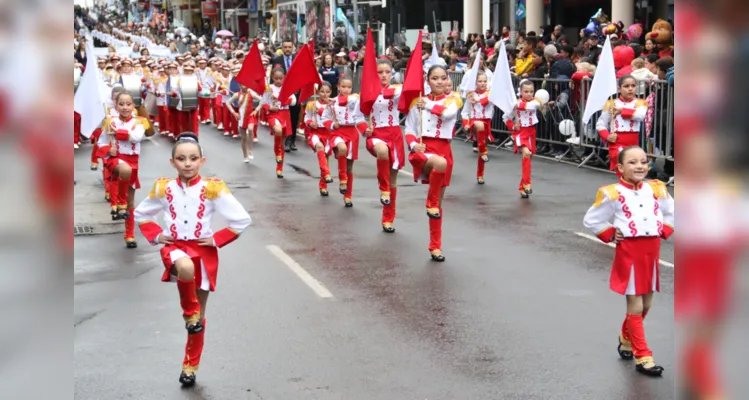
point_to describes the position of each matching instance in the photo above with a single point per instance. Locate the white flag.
(604, 83)
(88, 102)
(468, 84)
(502, 93)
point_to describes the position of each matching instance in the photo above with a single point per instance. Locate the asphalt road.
(520, 310)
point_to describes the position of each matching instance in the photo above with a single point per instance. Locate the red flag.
(252, 73)
(301, 75)
(413, 84)
(308, 90)
(370, 81)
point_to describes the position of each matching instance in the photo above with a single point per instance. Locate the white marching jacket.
(527, 115)
(269, 101)
(633, 113)
(345, 110)
(385, 109)
(127, 134)
(438, 118)
(645, 210)
(477, 106)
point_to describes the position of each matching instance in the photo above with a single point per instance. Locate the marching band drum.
(188, 88)
(133, 85)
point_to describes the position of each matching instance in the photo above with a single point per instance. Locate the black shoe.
(94, 168)
(123, 215)
(187, 379)
(524, 195)
(328, 179)
(655, 370)
(131, 244)
(388, 227)
(348, 203)
(324, 192)
(113, 213)
(434, 213)
(437, 256)
(292, 146)
(485, 158)
(194, 328)
(343, 189)
(624, 354)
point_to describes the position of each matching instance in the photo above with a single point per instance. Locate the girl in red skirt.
(628, 112)
(477, 118)
(247, 123)
(642, 214)
(119, 147)
(348, 123)
(318, 121)
(278, 116)
(522, 122)
(430, 126)
(161, 101)
(385, 142)
(190, 254)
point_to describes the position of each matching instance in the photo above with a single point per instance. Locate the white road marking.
(150, 139)
(313, 283)
(403, 171)
(613, 246)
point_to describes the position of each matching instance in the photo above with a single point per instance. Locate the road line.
(150, 139)
(403, 171)
(613, 246)
(313, 283)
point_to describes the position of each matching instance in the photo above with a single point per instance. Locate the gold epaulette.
(607, 192)
(659, 189)
(608, 105)
(144, 121)
(159, 188)
(310, 106)
(641, 103)
(396, 85)
(214, 187)
(413, 103)
(454, 98)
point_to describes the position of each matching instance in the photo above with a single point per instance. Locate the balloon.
(542, 95)
(567, 128)
(591, 28)
(635, 31)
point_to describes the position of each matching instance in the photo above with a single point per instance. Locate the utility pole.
(513, 22)
(356, 19)
(221, 15)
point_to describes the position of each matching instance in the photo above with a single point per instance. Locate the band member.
(229, 122)
(243, 114)
(318, 121)
(385, 142)
(278, 117)
(477, 118)
(642, 213)
(190, 254)
(172, 112)
(119, 146)
(430, 126)
(628, 112)
(348, 123)
(522, 123)
(110, 186)
(221, 79)
(188, 117)
(207, 81)
(160, 83)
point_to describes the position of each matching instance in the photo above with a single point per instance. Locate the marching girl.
(318, 121)
(247, 122)
(642, 213)
(110, 187)
(119, 147)
(522, 123)
(627, 112)
(190, 254)
(277, 115)
(477, 118)
(430, 125)
(229, 122)
(348, 122)
(188, 118)
(385, 142)
(161, 102)
(221, 79)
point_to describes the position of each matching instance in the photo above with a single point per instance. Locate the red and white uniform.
(161, 103)
(481, 109)
(127, 133)
(188, 213)
(345, 111)
(207, 81)
(644, 214)
(438, 119)
(282, 116)
(386, 128)
(527, 119)
(221, 87)
(626, 126)
(188, 118)
(321, 114)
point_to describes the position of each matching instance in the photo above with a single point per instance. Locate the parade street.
(315, 301)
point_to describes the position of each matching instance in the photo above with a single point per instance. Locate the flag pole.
(421, 122)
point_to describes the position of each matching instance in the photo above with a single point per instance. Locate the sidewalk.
(91, 210)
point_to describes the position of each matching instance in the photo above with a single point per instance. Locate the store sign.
(209, 9)
(252, 6)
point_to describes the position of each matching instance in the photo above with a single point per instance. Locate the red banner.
(209, 9)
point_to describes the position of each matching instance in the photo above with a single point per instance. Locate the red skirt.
(201, 256)
(130, 159)
(487, 127)
(392, 136)
(247, 120)
(435, 147)
(348, 135)
(623, 140)
(282, 117)
(321, 134)
(525, 137)
(636, 266)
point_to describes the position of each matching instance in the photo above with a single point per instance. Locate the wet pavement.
(520, 310)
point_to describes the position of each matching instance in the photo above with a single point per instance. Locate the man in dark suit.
(284, 61)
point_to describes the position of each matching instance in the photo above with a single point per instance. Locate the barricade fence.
(581, 145)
